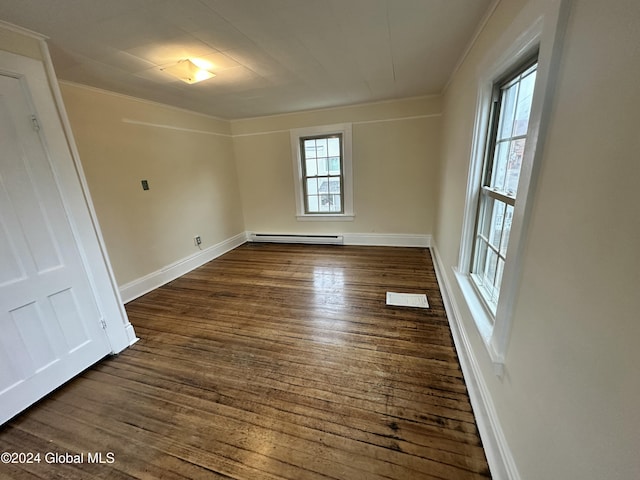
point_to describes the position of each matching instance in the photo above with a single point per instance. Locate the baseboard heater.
(286, 238)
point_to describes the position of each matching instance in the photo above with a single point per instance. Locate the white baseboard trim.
(499, 456)
(387, 239)
(136, 288)
(131, 334)
(139, 287)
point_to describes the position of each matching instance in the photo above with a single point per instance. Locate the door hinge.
(103, 322)
(35, 124)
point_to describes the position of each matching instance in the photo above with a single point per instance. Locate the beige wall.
(188, 161)
(568, 400)
(395, 166)
(205, 181)
(14, 41)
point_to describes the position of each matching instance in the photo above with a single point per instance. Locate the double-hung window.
(498, 192)
(322, 172)
(515, 85)
(322, 178)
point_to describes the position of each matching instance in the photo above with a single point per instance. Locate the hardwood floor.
(272, 361)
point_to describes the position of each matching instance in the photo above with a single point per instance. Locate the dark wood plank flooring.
(270, 362)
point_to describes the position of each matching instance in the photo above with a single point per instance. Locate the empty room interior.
(320, 239)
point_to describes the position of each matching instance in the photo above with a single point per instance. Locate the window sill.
(483, 320)
(321, 217)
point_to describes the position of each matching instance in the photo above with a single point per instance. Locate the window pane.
(498, 281)
(524, 104)
(325, 205)
(497, 222)
(321, 147)
(507, 165)
(489, 271)
(484, 223)
(500, 161)
(323, 167)
(312, 202)
(334, 147)
(309, 149)
(505, 128)
(334, 165)
(516, 153)
(506, 230)
(312, 186)
(323, 185)
(480, 255)
(336, 204)
(311, 168)
(334, 185)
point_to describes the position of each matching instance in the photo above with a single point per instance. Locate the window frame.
(328, 176)
(487, 194)
(517, 43)
(346, 185)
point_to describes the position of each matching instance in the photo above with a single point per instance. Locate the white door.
(50, 325)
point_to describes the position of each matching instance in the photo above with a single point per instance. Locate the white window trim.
(545, 35)
(347, 174)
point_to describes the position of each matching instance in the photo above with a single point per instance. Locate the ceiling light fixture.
(187, 71)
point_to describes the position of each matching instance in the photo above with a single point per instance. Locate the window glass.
(323, 175)
(498, 193)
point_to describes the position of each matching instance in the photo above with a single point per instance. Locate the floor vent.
(286, 238)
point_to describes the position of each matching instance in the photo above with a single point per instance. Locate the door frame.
(64, 159)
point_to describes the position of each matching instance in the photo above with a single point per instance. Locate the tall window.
(506, 154)
(506, 143)
(322, 174)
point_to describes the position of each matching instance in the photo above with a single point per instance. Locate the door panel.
(50, 325)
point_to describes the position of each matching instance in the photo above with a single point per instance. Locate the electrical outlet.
(197, 240)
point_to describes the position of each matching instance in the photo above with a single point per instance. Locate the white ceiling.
(270, 56)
